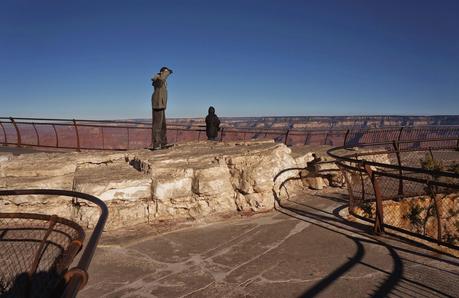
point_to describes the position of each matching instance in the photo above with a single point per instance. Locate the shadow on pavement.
(395, 281)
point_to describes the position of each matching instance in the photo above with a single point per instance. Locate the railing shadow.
(395, 280)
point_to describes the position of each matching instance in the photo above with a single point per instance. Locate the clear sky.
(94, 59)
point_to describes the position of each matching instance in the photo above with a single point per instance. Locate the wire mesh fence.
(414, 189)
(36, 250)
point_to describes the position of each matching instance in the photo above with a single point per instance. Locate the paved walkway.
(304, 250)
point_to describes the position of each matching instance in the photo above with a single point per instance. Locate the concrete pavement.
(303, 250)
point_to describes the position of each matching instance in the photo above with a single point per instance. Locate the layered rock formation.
(193, 181)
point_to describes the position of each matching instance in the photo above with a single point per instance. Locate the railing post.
(306, 140)
(57, 137)
(18, 133)
(286, 136)
(77, 135)
(326, 138)
(399, 160)
(345, 137)
(400, 134)
(4, 133)
(199, 135)
(438, 217)
(221, 134)
(103, 137)
(36, 132)
(379, 219)
(349, 188)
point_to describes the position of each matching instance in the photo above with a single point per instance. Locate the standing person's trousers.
(158, 133)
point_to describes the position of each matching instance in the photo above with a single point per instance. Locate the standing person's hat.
(165, 68)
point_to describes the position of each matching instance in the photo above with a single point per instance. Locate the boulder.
(316, 183)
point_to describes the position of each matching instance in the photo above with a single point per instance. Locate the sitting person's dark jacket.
(212, 124)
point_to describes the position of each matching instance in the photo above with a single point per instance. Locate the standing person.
(159, 104)
(212, 125)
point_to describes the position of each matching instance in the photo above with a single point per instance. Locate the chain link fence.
(412, 186)
(36, 250)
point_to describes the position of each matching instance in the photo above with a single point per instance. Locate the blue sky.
(94, 59)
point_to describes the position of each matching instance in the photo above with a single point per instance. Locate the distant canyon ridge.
(321, 122)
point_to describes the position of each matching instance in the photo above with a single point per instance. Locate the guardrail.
(410, 186)
(124, 135)
(38, 249)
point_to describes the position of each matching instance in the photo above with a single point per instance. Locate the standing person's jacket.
(212, 124)
(159, 96)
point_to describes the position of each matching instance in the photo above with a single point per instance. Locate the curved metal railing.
(52, 241)
(411, 186)
(124, 135)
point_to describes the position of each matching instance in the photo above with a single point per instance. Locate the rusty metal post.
(379, 219)
(349, 189)
(199, 135)
(326, 138)
(286, 136)
(345, 137)
(306, 140)
(4, 133)
(103, 137)
(18, 133)
(400, 134)
(36, 132)
(399, 160)
(221, 134)
(57, 137)
(438, 217)
(77, 135)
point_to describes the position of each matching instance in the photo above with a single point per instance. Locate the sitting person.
(212, 125)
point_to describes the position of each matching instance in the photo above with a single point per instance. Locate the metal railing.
(55, 240)
(124, 135)
(410, 186)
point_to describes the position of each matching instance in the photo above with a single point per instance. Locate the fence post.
(221, 134)
(438, 217)
(103, 137)
(18, 133)
(345, 137)
(77, 135)
(57, 137)
(326, 138)
(399, 160)
(199, 135)
(306, 140)
(349, 188)
(379, 220)
(4, 133)
(36, 132)
(286, 136)
(400, 134)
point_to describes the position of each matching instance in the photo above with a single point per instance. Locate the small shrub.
(367, 209)
(414, 217)
(431, 164)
